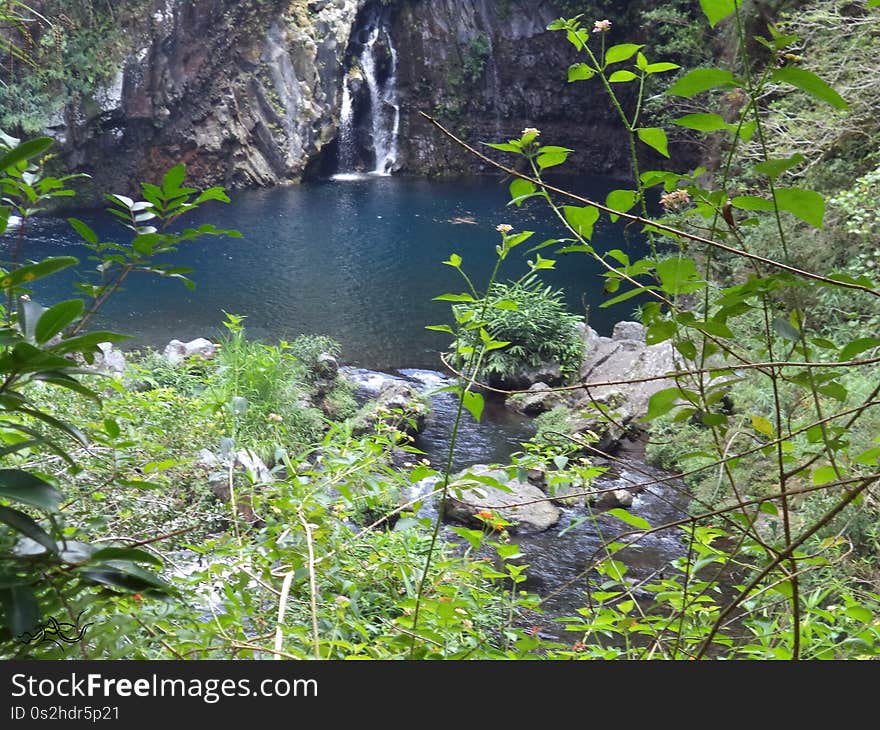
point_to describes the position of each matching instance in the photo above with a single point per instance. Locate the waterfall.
(346, 130)
(379, 74)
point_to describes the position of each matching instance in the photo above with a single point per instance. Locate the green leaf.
(124, 575)
(859, 613)
(111, 428)
(506, 304)
(769, 508)
(173, 179)
(520, 189)
(504, 146)
(621, 52)
(762, 425)
(751, 202)
(812, 84)
(622, 77)
(454, 260)
(656, 68)
(551, 157)
(581, 220)
(25, 151)
(56, 318)
(808, 205)
(857, 347)
(85, 232)
(630, 519)
(440, 328)
(656, 138)
(474, 404)
(702, 122)
(622, 200)
(21, 608)
(580, 72)
(32, 272)
(88, 341)
(774, 168)
(701, 79)
(718, 10)
(785, 330)
(27, 526)
(26, 488)
(678, 276)
(123, 553)
(662, 402)
(824, 475)
(454, 298)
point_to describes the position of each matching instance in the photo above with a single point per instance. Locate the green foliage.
(533, 320)
(50, 566)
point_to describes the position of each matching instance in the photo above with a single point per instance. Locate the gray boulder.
(540, 398)
(525, 506)
(109, 360)
(398, 403)
(176, 351)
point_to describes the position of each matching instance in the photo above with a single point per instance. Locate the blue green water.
(358, 260)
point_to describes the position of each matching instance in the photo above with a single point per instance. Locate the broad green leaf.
(32, 272)
(718, 10)
(808, 205)
(784, 328)
(124, 575)
(474, 404)
(440, 328)
(702, 122)
(630, 519)
(27, 526)
(580, 72)
(581, 220)
(662, 402)
(824, 475)
(173, 178)
(812, 84)
(506, 304)
(111, 428)
(678, 275)
(869, 457)
(751, 202)
(26, 488)
(762, 425)
(774, 168)
(701, 79)
(552, 158)
(454, 260)
(519, 189)
(622, 77)
(621, 52)
(656, 138)
(88, 341)
(857, 347)
(769, 508)
(85, 232)
(622, 200)
(859, 613)
(21, 608)
(56, 318)
(24, 151)
(123, 553)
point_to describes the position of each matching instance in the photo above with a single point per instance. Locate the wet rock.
(326, 366)
(540, 398)
(397, 403)
(524, 505)
(243, 463)
(176, 351)
(109, 360)
(614, 498)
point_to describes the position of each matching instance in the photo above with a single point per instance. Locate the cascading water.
(375, 62)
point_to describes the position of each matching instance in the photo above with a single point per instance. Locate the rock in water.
(533, 512)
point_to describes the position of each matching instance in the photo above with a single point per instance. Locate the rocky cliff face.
(249, 93)
(245, 93)
(487, 69)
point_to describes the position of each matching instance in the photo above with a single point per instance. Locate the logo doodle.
(56, 632)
